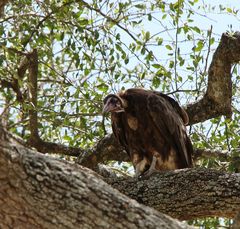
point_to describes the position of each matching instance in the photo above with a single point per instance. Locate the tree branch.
(105, 149)
(208, 153)
(42, 192)
(108, 149)
(14, 86)
(186, 194)
(34, 186)
(218, 98)
(32, 95)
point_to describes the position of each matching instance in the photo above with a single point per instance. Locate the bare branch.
(108, 149)
(56, 148)
(115, 21)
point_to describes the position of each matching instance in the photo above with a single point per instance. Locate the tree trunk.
(38, 191)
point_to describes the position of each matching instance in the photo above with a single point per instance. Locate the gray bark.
(38, 191)
(186, 194)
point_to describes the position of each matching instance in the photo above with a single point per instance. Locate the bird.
(151, 126)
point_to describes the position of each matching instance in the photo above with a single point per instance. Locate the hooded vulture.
(151, 127)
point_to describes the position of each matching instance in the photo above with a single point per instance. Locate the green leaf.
(168, 47)
(156, 66)
(156, 81)
(150, 17)
(147, 36)
(140, 6)
(199, 47)
(171, 64)
(196, 29)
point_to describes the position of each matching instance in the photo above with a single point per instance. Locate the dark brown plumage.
(151, 127)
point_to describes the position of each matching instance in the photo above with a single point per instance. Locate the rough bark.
(38, 191)
(186, 194)
(217, 100)
(32, 94)
(106, 148)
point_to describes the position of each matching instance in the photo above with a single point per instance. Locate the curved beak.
(107, 108)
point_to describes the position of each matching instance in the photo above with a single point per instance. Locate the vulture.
(151, 127)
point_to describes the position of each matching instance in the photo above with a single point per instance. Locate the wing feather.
(167, 118)
(119, 130)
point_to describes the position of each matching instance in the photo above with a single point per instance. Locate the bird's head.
(113, 103)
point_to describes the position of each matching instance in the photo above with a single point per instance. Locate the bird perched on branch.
(151, 127)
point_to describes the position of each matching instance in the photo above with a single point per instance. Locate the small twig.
(227, 136)
(113, 21)
(181, 90)
(176, 48)
(208, 52)
(42, 21)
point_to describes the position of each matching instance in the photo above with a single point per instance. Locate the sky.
(221, 22)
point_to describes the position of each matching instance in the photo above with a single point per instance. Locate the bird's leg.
(140, 168)
(152, 169)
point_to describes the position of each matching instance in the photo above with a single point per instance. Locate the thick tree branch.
(106, 148)
(186, 194)
(34, 186)
(56, 148)
(217, 100)
(42, 192)
(208, 153)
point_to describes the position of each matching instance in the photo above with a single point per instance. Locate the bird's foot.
(150, 171)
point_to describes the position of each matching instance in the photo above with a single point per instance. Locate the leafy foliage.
(87, 50)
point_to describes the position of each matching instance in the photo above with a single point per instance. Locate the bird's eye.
(113, 100)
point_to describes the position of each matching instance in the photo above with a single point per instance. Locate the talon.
(151, 169)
